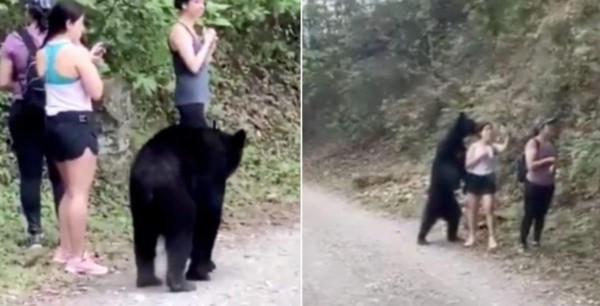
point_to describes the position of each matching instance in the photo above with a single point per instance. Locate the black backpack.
(34, 93)
(522, 164)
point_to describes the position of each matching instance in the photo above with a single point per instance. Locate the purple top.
(543, 175)
(14, 48)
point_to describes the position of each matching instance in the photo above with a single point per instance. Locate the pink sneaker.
(85, 265)
(60, 256)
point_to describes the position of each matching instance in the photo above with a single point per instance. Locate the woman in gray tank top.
(540, 157)
(191, 55)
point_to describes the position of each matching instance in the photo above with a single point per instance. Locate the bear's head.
(465, 126)
(234, 149)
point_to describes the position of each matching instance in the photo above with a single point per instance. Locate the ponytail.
(59, 15)
(49, 35)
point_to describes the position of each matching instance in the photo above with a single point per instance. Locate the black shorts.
(68, 134)
(480, 184)
(192, 115)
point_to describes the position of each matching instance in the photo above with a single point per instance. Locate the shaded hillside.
(384, 82)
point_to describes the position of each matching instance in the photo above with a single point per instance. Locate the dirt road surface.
(353, 257)
(260, 269)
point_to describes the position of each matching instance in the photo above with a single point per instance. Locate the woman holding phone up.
(71, 82)
(480, 183)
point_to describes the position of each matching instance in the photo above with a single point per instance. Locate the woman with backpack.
(480, 182)
(26, 117)
(540, 161)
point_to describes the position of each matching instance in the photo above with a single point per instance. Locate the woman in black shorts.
(480, 183)
(71, 81)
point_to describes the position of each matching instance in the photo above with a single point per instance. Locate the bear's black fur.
(447, 172)
(177, 185)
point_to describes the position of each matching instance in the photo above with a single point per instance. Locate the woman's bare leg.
(64, 248)
(472, 209)
(488, 206)
(80, 173)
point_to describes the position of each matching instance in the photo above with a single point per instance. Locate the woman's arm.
(90, 77)
(40, 63)
(181, 42)
(6, 72)
(7, 65)
(531, 150)
(501, 147)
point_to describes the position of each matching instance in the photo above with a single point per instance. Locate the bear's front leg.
(205, 236)
(208, 221)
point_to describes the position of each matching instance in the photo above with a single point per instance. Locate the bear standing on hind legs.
(447, 172)
(177, 186)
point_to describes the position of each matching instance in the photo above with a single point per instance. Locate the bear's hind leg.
(453, 219)
(178, 240)
(145, 239)
(427, 221)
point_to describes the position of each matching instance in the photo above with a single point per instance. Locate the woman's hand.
(209, 35)
(97, 52)
(550, 160)
(500, 147)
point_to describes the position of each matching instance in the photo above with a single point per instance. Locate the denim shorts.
(69, 133)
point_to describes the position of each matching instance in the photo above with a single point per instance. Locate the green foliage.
(356, 57)
(256, 85)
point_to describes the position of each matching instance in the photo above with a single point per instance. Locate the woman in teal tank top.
(71, 83)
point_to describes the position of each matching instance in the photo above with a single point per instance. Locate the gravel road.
(261, 269)
(353, 257)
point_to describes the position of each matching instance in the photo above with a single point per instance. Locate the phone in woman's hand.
(98, 49)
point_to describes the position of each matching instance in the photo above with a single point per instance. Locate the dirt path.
(352, 257)
(261, 269)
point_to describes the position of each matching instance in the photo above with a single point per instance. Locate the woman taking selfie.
(480, 183)
(72, 82)
(191, 56)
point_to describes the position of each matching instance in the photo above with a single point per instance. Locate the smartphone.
(100, 47)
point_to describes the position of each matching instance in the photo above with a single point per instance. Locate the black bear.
(447, 172)
(176, 188)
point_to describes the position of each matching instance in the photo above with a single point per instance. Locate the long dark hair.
(40, 17)
(179, 4)
(482, 125)
(59, 15)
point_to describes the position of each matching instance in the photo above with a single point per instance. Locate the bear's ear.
(238, 140)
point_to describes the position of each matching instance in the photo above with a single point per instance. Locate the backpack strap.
(29, 43)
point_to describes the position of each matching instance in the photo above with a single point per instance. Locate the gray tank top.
(544, 175)
(190, 88)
